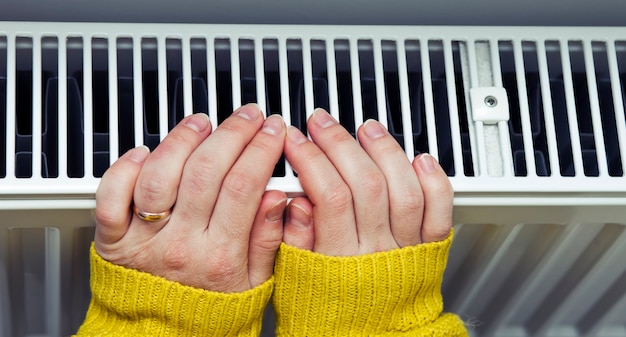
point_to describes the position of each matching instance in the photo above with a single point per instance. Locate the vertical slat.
(478, 126)
(259, 68)
(618, 102)
(520, 75)
(235, 72)
(356, 82)
(379, 74)
(307, 68)
(567, 250)
(211, 80)
(6, 316)
(594, 103)
(62, 105)
(37, 106)
(457, 150)
(10, 106)
(113, 101)
(187, 76)
(405, 100)
(283, 74)
(162, 80)
(489, 274)
(503, 126)
(568, 85)
(429, 105)
(88, 105)
(53, 281)
(614, 318)
(472, 127)
(333, 95)
(138, 113)
(548, 112)
(283, 68)
(594, 283)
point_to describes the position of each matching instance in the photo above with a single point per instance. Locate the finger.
(333, 213)
(438, 198)
(405, 193)
(207, 166)
(265, 237)
(299, 231)
(114, 196)
(157, 185)
(243, 187)
(366, 181)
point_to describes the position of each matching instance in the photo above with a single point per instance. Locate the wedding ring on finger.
(150, 216)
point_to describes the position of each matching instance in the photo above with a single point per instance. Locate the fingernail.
(298, 217)
(275, 212)
(139, 154)
(296, 135)
(198, 122)
(427, 163)
(249, 111)
(322, 118)
(273, 125)
(374, 129)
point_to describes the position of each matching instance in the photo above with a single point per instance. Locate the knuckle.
(442, 191)
(373, 184)
(223, 270)
(438, 232)
(409, 203)
(240, 184)
(153, 188)
(338, 196)
(176, 254)
(201, 174)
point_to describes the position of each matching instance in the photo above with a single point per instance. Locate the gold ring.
(151, 217)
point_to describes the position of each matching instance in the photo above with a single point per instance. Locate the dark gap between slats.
(296, 89)
(509, 79)
(413, 50)
(535, 107)
(3, 104)
(441, 107)
(125, 92)
(223, 81)
(101, 104)
(607, 110)
(392, 90)
(583, 109)
(345, 97)
(559, 107)
(468, 163)
(247, 72)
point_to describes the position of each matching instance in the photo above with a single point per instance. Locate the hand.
(224, 228)
(362, 198)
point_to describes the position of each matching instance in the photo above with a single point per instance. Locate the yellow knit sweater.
(394, 293)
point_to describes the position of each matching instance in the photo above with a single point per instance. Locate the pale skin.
(225, 228)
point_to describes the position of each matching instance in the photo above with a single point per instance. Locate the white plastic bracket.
(490, 105)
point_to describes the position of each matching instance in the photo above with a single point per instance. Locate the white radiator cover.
(528, 122)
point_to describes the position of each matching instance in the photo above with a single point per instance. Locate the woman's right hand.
(362, 197)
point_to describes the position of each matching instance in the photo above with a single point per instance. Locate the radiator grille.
(540, 192)
(73, 102)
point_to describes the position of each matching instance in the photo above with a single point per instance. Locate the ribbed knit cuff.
(127, 302)
(384, 294)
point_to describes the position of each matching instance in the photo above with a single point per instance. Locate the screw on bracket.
(491, 101)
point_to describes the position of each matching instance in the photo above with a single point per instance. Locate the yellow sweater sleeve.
(126, 302)
(394, 293)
